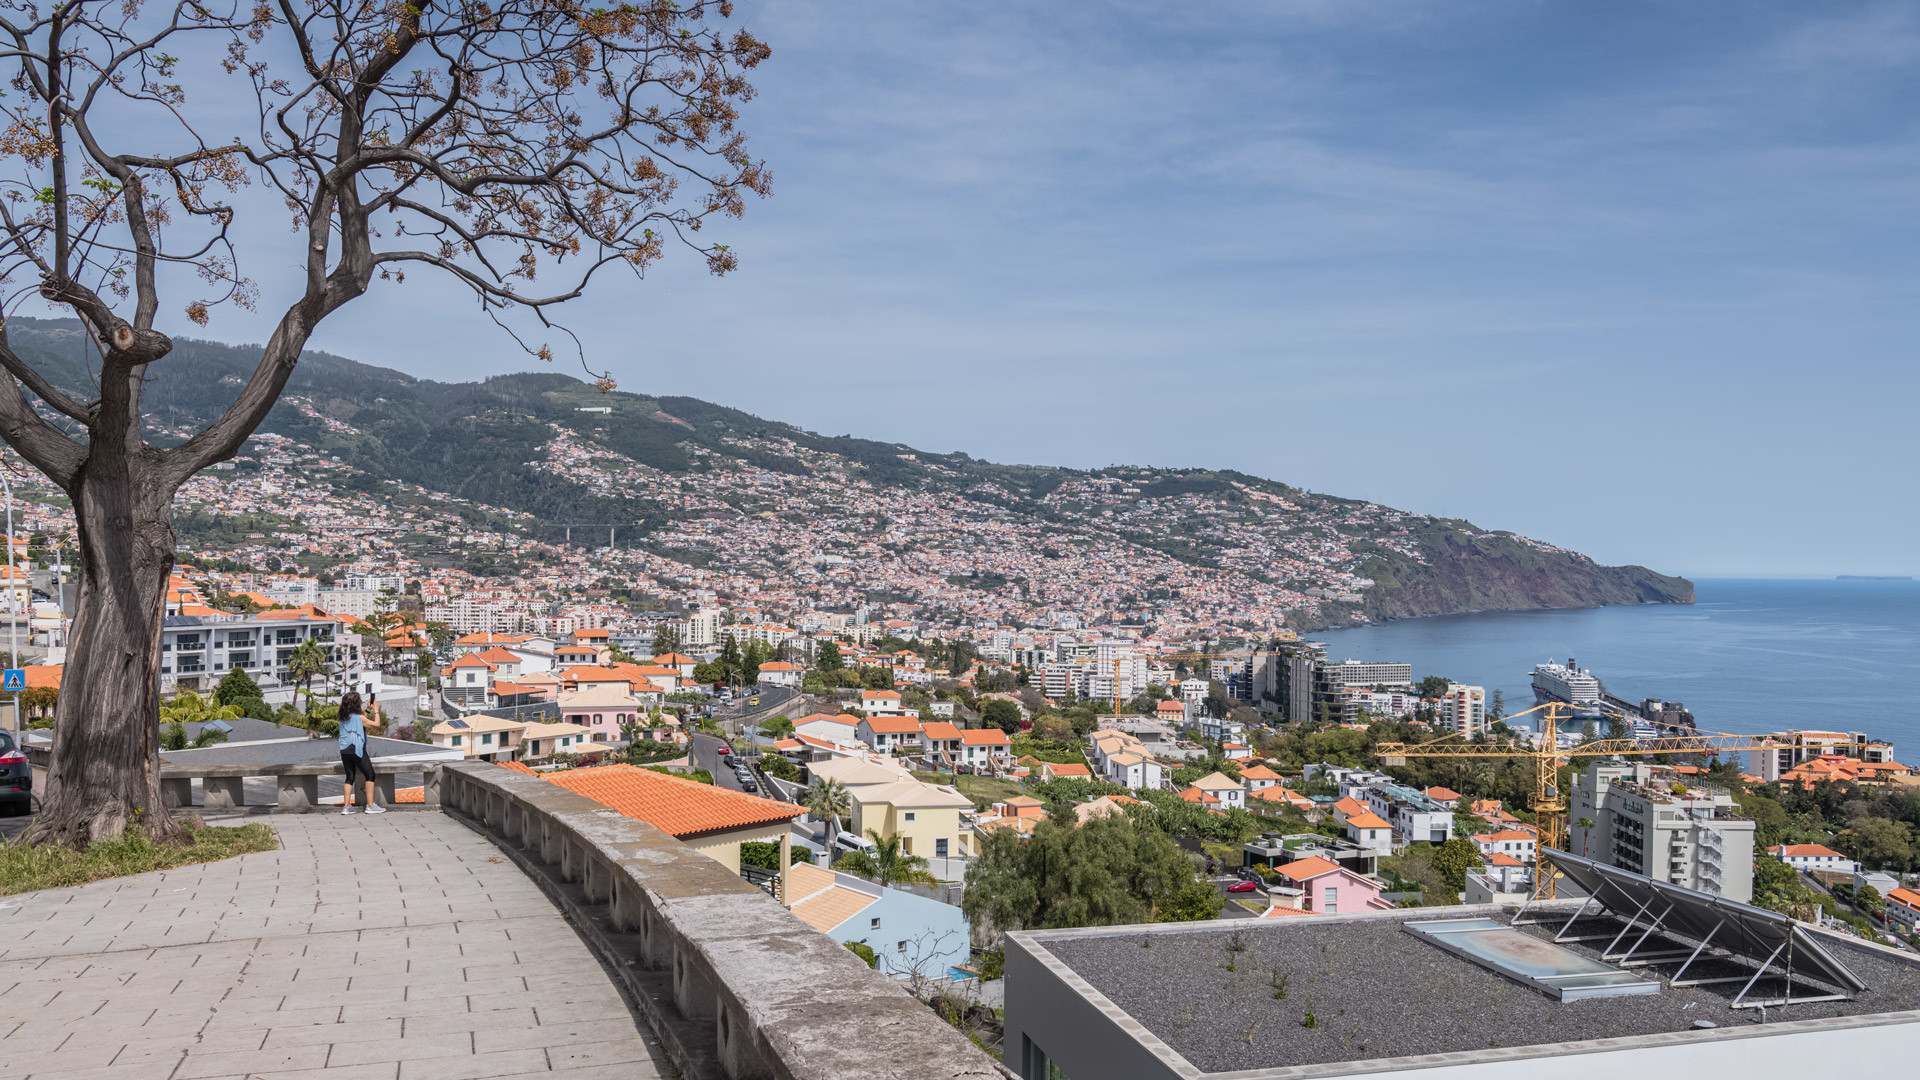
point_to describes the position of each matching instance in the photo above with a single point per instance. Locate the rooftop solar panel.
(1769, 939)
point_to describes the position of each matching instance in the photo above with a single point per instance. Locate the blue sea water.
(1747, 656)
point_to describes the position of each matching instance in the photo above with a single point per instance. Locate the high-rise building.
(1463, 709)
(1689, 836)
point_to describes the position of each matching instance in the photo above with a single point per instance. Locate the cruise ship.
(1554, 681)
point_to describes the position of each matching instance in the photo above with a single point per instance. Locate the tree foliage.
(1107, 872)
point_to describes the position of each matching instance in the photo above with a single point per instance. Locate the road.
(704, 752)
(1231, 910)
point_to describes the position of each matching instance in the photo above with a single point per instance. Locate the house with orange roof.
(467, 643)
(1234, 751)
(1511, 842)
(1372, 832)
(712, 820)
(889, 734)
(465, 681)
(679, 662)
(1274, 797)
(985, 748)
(1064, 770)
(1171, 711)
(1811, 857)
(1446, 797)
(581, 654)
(881, 703)
(941, 741)
(1903, 908)
(1257, 777)
(1320, 885)
(1347, 806)
(780, 673)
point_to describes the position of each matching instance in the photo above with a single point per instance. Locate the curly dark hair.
(350, 704)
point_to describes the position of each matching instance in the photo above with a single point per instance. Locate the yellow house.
(924, 816)
(488, 738)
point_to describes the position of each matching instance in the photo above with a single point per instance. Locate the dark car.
(1242, 886)
(16, 776)
(749, 786)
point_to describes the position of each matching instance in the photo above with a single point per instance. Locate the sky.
(1637, 278)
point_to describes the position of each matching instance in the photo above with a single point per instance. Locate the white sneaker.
(346, 809)
(376, 808)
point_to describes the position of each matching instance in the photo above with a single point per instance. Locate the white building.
(1696, 838)
(1813, 857)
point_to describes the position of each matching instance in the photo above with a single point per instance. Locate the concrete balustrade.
(732, 984)
(223, 787)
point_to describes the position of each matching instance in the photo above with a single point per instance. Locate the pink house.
(1328, 888)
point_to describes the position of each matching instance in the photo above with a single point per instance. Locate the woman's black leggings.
(356, 763)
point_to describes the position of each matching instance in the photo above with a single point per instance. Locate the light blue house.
(909, 935)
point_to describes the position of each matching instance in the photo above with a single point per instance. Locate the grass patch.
(30, 869)
(983, 790)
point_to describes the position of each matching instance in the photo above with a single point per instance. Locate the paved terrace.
(507, 928)
(396, 947)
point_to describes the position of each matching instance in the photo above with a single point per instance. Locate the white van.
(848, 841)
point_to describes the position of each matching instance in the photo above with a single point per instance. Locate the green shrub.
(864, 952)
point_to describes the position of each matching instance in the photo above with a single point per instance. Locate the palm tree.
(827, 799)
(887, 864)
(186, 708)
(307, 661)
(1585, 823)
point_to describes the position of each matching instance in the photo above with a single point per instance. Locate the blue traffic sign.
(13, 679)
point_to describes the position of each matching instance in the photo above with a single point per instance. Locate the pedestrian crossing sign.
(14, 679)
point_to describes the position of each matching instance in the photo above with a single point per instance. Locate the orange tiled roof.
(683, 808)
(1307, 869)
(1806, 851)
(1367, 819)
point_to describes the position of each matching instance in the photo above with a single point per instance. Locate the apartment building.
(1463, 709)
(1793, 748)
(196, 653)
(1693, 837)
(1414, 816)
(1369, 673)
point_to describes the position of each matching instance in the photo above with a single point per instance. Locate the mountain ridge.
(554, 447)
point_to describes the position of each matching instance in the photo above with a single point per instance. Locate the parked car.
(1242, 886)
(747, 785)
(16, 776)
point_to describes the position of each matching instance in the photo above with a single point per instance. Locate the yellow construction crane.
(1549, 804)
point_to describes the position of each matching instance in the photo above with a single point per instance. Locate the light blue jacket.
(353, 734)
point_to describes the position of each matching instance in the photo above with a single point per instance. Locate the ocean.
(1748, 656)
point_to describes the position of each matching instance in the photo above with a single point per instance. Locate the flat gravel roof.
(1375, 990)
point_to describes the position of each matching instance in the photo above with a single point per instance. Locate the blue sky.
(1633, 277)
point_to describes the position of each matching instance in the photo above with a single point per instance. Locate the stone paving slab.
(393, 947)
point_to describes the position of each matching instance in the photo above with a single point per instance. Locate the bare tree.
(487, 140)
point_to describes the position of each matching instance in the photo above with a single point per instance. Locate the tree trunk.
(105, 774)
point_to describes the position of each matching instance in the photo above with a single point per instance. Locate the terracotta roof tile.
(683, 808)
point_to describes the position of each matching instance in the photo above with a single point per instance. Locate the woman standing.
(353, 752)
